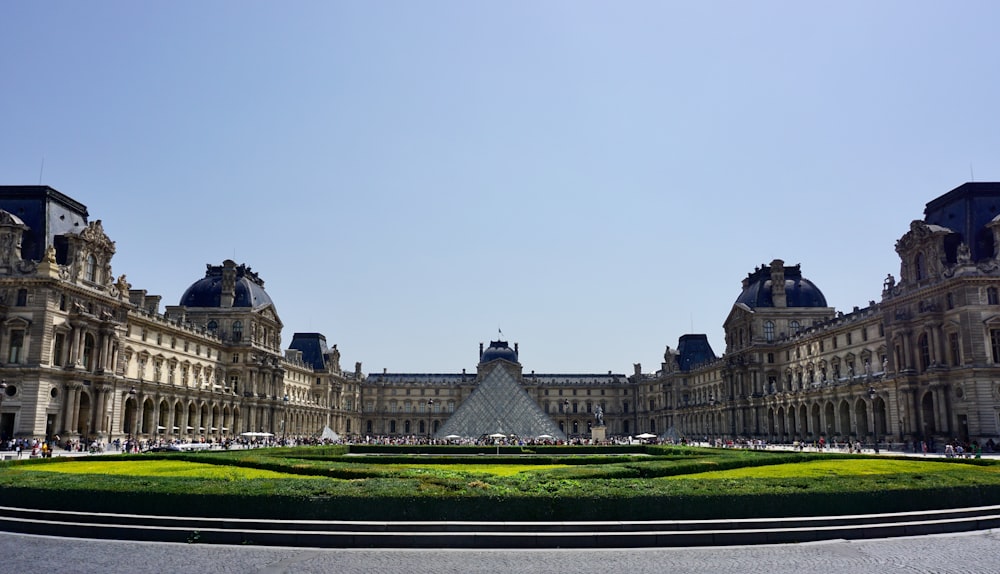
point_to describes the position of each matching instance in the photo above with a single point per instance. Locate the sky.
(593, 180)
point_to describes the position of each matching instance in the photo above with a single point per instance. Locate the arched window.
(794, 327)
(213, 325)
(22, 297)
(237, 331)
(769, 331)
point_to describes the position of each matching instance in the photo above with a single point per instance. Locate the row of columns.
(908, 412)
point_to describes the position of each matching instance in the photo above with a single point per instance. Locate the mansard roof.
(313, 348)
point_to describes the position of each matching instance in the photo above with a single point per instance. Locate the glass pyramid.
(500, 405)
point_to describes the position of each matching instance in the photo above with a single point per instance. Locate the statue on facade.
(964, 254)
(335, 359)
(889, 282)
(599, 415)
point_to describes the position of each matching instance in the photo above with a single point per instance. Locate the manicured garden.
(456, 483)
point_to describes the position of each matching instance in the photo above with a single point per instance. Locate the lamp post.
(871, 395)
(430, 413)
(566, 412)
(3, 394)
(284, 417)
(711, 418)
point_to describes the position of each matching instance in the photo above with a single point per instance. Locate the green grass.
(172, 468)
(829, 469)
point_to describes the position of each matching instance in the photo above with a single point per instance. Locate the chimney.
(480, 351)
(228, 294)
(778, 283)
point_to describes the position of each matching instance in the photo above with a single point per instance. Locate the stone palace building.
(84, 355)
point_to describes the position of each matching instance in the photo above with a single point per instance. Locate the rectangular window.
(849, 338)
(57, 349)
(956, 358)
(864, 333)
(16, 346)
(995, 344)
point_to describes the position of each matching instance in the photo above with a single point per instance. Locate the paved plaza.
(966, 553)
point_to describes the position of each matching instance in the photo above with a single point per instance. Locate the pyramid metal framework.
(499, 404)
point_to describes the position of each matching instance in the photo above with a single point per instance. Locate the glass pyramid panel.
(500, 405)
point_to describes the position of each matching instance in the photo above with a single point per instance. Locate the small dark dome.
(498, 350)
(799, 291)
(248, 289)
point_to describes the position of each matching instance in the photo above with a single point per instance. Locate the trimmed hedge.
(605, 486)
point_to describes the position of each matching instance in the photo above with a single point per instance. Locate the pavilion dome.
(498, 350)
(207, 291)
(799, 291)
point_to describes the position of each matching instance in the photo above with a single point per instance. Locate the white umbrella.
(452, 436)
(545, 436)
(645, 435)
(498, 435)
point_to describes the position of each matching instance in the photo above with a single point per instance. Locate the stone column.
(941, 410)
(100, 411)
(69, 405)
(74, 347)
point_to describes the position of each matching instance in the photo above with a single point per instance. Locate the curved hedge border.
(619, 486)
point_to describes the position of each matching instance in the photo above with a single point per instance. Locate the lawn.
(172, 468)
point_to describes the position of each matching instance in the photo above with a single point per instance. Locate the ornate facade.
(923, 363)
(85, 355)
(82, 354)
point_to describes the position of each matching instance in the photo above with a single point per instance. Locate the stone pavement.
(966, 553)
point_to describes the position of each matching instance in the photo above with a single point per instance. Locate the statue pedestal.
(598, 434)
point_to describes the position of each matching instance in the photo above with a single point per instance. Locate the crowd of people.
(46, 448)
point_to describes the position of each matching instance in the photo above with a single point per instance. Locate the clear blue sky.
(593, 178)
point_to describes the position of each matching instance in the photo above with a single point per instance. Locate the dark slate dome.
(248, 288)
(498, 350)
(799, 291)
